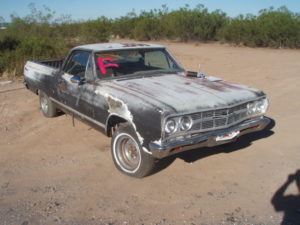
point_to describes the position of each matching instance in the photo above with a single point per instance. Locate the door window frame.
(71, 55)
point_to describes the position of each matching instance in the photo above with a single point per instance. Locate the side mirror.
(77, 80)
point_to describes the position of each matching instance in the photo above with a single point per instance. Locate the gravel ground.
(54, 173)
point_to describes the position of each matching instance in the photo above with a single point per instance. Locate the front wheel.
(128, 154)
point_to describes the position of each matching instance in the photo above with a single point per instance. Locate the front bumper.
(208, 139)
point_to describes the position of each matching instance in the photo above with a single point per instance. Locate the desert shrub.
(125, 25)
(31, 37)
(271, 28)
(9, 43)
(193, 24)
(42, 35)
(94, 31)
(148, 27)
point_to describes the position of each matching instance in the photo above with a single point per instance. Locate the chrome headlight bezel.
(185, 123)
(178, 124)
(171, 126)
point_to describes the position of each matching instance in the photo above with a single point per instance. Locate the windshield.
(134, 62)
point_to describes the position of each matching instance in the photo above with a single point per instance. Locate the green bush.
(125, 25)
(148, 27)
(271, 28)
(94, 31)
(32, 37)
(41, 35)
(9, 43)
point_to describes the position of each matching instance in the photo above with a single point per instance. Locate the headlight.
(262, 106)
(258, 107)
(185, 123)
(251, 108)
(171, 126)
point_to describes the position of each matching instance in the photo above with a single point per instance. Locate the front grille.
(217, 119)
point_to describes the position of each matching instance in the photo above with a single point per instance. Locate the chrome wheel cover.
(127, 153)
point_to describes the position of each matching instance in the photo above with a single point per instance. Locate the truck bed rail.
(55, 63)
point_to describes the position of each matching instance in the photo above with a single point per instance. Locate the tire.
(127, 153)
(47, 106)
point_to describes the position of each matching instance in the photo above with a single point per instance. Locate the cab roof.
(116, 46)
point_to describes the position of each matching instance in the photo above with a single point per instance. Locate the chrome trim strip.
(78, 113)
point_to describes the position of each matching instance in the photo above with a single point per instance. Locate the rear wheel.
(128, 154)
(47, 106)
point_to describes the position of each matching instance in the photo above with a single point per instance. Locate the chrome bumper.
(208, 139)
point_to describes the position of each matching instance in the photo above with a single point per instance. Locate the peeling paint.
(173, 92)
(158, 142)
(37, 71)
(141, 139)
(147, 151)
(118, 107)
(214, 79)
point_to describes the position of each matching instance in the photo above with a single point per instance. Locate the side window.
(77, 64)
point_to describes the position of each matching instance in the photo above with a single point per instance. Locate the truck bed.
(56, 63)
(38, 73)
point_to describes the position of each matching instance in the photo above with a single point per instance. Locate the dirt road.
(54, 173)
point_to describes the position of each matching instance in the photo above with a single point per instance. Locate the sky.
(92, 9)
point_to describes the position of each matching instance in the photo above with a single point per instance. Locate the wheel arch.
(112, 121)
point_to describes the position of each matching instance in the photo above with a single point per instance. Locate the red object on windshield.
(103, 65)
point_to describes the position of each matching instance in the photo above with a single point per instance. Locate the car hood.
(183, 94)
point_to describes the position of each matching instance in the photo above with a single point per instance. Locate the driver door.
(76, 86)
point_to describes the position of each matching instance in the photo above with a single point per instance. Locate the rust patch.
(212, 85)
(184, 90)
(230, 86)
(62, 86)
(132, 94)
(129, 45)
(140, 89)
(221, 86)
